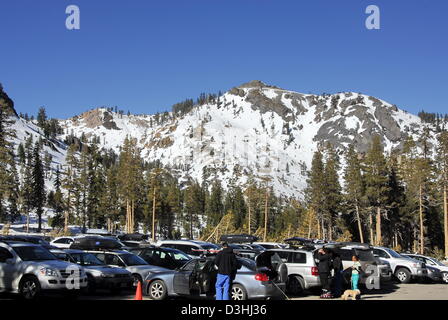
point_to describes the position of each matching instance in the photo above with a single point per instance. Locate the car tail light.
(261, 277)
(314, 271)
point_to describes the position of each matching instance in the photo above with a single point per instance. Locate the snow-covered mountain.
(252, 130)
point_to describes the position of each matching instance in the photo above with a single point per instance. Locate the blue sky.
(145, 55)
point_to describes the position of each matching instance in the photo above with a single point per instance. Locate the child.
(356, 270)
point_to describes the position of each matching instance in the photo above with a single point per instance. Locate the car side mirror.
(9, 261)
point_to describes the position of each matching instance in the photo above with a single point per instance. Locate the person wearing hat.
(227, 267)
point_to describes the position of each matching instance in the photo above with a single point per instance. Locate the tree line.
(396, 199)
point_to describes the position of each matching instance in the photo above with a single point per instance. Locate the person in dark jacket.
(324, 268)
(227, 267)
(338, 270)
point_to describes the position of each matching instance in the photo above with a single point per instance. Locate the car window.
(86, 259)
(298, 257)
(63, 240)
(36, 253)
(283, 255)
(381, 253)
(364, 255)
(113, 259)
(5, 255)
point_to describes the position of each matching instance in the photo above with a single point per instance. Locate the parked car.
(404, 269)
(30, 269)
(99, 275)
(263, 278)
(62, 242)
(40, 240)
(138, 267)
(431, 262)
(162, 257)
(192, 248)
(365, 253)
(302, 270)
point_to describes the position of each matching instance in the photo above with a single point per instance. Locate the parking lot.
(389, 291)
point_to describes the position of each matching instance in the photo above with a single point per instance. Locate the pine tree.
(315, 191)
(442, 165)
(70, 184)
(194, 207)
(333, 197)
(354, 187)
(376, 177)
(214, 204)
(38, 185)
(130, 179)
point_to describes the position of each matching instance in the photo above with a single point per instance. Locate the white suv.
(404, 269)
(29, 269)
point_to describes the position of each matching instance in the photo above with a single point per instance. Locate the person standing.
(356, 270)
(338, 270)
(324, 269)
(227, 267)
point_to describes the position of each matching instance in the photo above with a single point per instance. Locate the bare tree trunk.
(361, 236)
(249, 216)
(379, 238)
(318, 229)
(330, 228)
(28, 222)
(128, 216)
(132, 217)
(422, 239)
(415, 243)
(372, 240)
(266, 215)
(154, 215)
(445, 214)
(310, 221)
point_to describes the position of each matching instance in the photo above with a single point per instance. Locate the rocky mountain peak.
(6, 103)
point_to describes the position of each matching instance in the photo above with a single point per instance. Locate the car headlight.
(48, 272)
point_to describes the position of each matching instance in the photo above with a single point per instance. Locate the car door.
(182, 278)
(7, 270)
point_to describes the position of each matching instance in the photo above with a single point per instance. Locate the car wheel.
(403, 275)
(238, 292)
(29, 288)
(295, 286)
(136, 279)
(445, 277)
(157, 290)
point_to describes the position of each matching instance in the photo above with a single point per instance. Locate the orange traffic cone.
(138, 292)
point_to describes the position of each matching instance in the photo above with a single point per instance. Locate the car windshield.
(132, 260)
(34, 253)
(437, 262)
(86, 259)
(393, 253)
